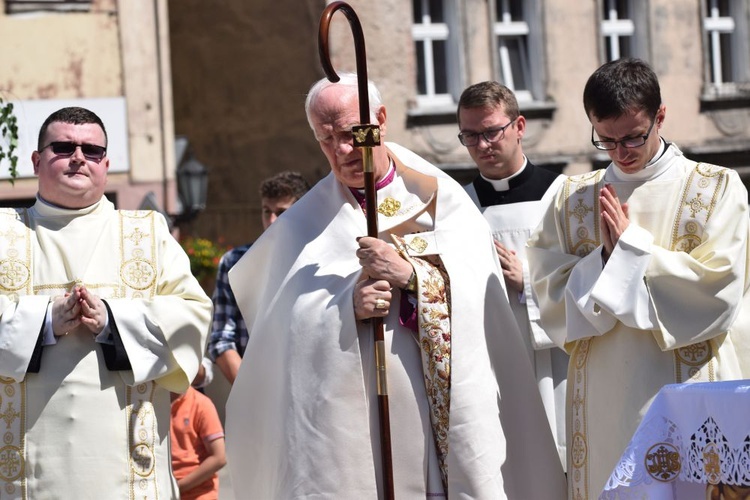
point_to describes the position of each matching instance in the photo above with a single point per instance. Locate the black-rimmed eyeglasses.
(67, 148)
(631, 142)
(490, 135)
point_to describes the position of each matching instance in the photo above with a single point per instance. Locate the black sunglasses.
(90, 151)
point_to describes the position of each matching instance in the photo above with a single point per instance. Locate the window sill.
(736, 96)
(446, 115)
(26, 6)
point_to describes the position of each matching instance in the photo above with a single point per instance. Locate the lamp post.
(192, 188)
(192, 182)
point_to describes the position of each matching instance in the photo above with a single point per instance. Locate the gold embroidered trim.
(695, 363)
(578, 477)
(15, 280)
(699, 195)
(15, 252)
(138, 269)
(581, 226)
(13, 447)
(581, 212)
(142, 437)
(434, 321)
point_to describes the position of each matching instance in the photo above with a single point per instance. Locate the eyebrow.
(471, 131)
(604, 138)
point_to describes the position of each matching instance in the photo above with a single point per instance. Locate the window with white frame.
(623, 29)
(436, 52)
(727, 48)
(519, 52)
(617, 29)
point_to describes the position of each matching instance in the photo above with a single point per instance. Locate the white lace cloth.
(692, 435)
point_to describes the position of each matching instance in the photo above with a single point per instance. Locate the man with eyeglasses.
(302, 417)
(100, 320)
(639, 270)
(512, 193)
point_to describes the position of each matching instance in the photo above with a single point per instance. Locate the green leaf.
(9, 137)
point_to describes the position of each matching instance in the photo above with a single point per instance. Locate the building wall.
(241, 71)
(113, 50)
(225, 55)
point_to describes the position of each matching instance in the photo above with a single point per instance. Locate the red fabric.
(195, 423)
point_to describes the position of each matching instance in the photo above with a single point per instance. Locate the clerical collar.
(659, 165)
(659, 153)
(359, 194)
(48, 208)
(504, 184)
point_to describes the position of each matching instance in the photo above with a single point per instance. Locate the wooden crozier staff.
(366, 136)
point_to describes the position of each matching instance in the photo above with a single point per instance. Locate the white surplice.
(302, 414)
(653, 315)
(76, 429)
(512, 224)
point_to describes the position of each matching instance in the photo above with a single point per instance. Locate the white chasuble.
(302, 415)
(660, 311)
(76, 429)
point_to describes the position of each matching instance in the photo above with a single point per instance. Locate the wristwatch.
(411, 285)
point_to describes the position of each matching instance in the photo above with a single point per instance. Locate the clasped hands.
(382, 269)
(78, 307)
(614, 219)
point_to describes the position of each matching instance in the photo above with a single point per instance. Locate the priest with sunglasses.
(100, 318)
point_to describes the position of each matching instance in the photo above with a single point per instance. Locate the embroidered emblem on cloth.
(15, 252)
(581, 212)
(711, 465)
(663, 462)
(694, 363)
(417, 244)
(696, 206)
(668, 453)
(138, 250)
(433, 307)
(389, 207)
(711, 459)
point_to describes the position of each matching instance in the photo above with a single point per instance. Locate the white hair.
(346, 80)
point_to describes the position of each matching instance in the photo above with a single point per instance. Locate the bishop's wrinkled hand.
(381, 261)
(372, 298)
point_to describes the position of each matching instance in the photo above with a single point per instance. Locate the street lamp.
(192, 182)
(192, 187)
